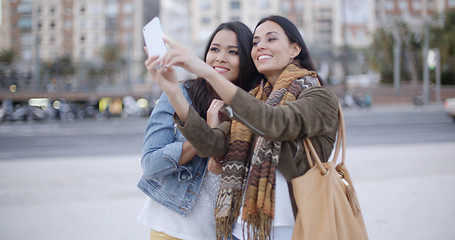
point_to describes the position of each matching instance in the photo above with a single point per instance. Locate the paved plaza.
(406, 191)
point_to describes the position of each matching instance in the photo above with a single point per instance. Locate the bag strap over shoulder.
(312, 155)
(341, 138)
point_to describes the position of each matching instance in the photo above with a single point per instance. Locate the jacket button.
(184, 177)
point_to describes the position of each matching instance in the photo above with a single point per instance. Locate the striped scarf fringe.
(255, 186)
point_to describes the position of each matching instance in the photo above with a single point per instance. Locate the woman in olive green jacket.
(262, 146)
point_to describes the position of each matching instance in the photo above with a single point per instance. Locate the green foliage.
(382, 58)
(61, 66)
(7, 57)
(443, 38)
(112, 61)
(381, 54)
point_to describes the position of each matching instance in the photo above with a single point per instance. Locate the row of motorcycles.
(10, 111)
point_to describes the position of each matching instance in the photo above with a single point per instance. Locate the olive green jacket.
(313, 114)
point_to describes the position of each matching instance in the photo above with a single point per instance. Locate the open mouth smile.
(264, 57)
(221, 69)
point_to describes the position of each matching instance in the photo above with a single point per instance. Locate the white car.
(450, 107)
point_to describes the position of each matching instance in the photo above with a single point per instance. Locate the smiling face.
(272, 51)
(223, 54)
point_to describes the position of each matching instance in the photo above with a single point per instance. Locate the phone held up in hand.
(153, 37)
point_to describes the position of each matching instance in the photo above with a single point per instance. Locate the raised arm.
(185, 58)
(168, 82)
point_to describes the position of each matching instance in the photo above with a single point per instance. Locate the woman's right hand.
(183, 57)
(165, 77)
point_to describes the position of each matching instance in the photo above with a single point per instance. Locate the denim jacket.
(174, 186)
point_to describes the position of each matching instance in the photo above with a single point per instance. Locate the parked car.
(450, 107)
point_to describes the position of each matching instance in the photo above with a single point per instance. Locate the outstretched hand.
(183, 57)
(165, 77)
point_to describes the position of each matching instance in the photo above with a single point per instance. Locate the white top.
(200, 221)
(283, 223)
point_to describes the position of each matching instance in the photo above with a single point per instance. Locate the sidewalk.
(405, 192)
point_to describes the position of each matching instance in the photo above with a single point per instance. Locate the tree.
(381, 54)
(112, 61)
(7, 58)
(443, 38)
(57, 71)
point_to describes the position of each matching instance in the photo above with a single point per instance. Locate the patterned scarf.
(260, 172)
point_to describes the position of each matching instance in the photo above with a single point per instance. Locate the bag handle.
(340, 143)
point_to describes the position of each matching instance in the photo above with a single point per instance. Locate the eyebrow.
(219, 45)
(269, 33)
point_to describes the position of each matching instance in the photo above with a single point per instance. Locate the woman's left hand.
(213, 113)
(215, 166)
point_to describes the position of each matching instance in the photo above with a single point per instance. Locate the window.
(127, 38)
(26, 54)
(263, 4)
(25, 8)
(403, 5)
(111, 23)
(451, 3)
(128, 8)
(416, 5)
(205, 20)
(68, 24)
(27, 39)
(235, 5)
(205, 5)
(25, 23)
(112, 9)
(95, 9)
(390, 5)
(235, 18)
(127, 22)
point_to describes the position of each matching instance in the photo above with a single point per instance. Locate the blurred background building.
(94, 48)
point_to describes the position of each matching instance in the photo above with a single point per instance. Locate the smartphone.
(153, 37)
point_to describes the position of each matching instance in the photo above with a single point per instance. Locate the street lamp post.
(36, 73)
(396, 62)
(426, 72)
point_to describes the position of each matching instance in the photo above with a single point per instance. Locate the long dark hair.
(200, 91)
(294, 36)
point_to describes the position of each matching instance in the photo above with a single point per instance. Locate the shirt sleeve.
(162, 148)
(208, 142)
(315, 112)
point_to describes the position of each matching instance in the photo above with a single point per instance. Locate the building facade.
(46, 30)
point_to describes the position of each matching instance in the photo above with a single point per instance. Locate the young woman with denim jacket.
(181, 193)
(263, 148)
